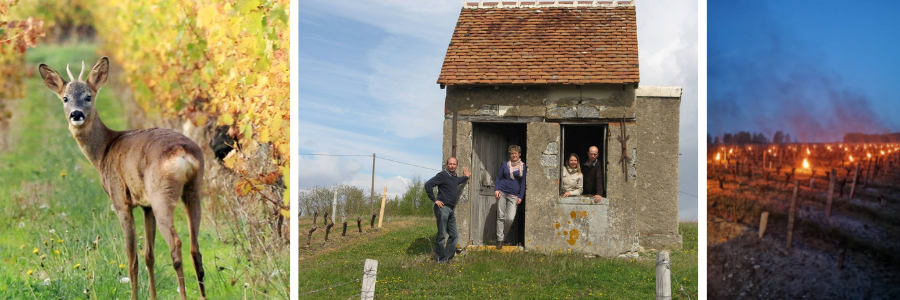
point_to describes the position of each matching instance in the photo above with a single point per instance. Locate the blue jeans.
(446, 224)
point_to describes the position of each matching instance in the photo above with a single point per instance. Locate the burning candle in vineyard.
(717, 155)
(805, 164)
(851, 158)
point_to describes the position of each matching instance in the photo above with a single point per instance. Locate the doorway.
(490, 144)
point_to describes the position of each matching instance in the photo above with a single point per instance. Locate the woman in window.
(509, 191)
(572, 179)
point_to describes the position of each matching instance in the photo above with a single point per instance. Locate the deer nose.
(76, 116)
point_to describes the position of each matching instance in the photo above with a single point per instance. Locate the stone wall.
(641, 208)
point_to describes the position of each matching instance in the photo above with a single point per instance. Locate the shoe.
(499, 245)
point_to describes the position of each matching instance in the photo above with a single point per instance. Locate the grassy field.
(406, 269)
(59, 239)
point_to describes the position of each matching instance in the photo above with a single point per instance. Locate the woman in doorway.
(509, 191)
(572, 179)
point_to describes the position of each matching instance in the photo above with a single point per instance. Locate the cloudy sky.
(815, 71)
(367, 85)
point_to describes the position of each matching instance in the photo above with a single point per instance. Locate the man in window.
(593, 177)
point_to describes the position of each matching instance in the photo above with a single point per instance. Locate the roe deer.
(147, 168)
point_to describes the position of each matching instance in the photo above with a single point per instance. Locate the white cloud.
(404, 81)
(424, 20)
(326, 170)
(395, 185)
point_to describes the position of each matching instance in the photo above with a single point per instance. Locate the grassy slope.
(404, 271)
(51, 203)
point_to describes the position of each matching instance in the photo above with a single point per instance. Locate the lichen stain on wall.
(573, 236)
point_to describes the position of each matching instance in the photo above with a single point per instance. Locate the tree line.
(746, 137)
(354, 202)
(872, 138)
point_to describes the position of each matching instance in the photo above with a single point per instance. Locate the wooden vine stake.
(762, 223)
(855, 176)
(830, 194)
(381, 212)
(370, 273)
(663, 277)
(790, 233)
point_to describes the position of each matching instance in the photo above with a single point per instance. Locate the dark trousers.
(446, 225)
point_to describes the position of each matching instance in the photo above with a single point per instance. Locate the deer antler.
(71, 78)
(82, 71)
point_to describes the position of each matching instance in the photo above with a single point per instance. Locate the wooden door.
(490, 146)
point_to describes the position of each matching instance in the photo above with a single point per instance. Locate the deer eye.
(65, 99)
(88, 99)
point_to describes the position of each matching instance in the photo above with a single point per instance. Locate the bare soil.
(854, 254)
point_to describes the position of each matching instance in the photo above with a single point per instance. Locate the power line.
(695, 196)
(322, 154)
(399, 162)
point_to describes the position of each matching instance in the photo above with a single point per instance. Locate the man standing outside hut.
(593, 179)
(444, 205)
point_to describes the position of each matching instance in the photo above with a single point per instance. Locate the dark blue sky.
(815, 69)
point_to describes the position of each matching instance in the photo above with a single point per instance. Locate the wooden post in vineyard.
(663, 276)
(359, 224)
(762, 223)
(855, 176)
(381, 213)
(812, 179)
(830, 194)
(370, 273)
(334, 206)
(869, 167)
(790, 229)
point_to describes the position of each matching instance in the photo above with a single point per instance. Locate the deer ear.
(52, 80)
(98, 75)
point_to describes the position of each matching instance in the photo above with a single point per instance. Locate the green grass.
(403, 250)
(52, 209)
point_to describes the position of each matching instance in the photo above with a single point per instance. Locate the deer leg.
(192, 208)
(126, 219)
(150, 239)
(163, 209)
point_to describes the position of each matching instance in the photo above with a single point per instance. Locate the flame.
(882, 152)
(807, 151)
(805, 164)
(717, 155)
(869, 154)
(730, 150)
(851, 158)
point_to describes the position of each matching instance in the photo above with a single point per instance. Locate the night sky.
(815, 70)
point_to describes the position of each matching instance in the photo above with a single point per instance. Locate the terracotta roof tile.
(583, 45)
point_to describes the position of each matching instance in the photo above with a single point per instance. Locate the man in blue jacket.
(444, 204)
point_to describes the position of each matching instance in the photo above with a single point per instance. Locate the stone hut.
(556, 78)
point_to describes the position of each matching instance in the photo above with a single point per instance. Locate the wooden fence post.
(790, 233)
(334, 206)
(868, 167)
(762, 223)
(830, 194)
(855, 176)
(381, 213)
(370, 273)
(663, 277)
